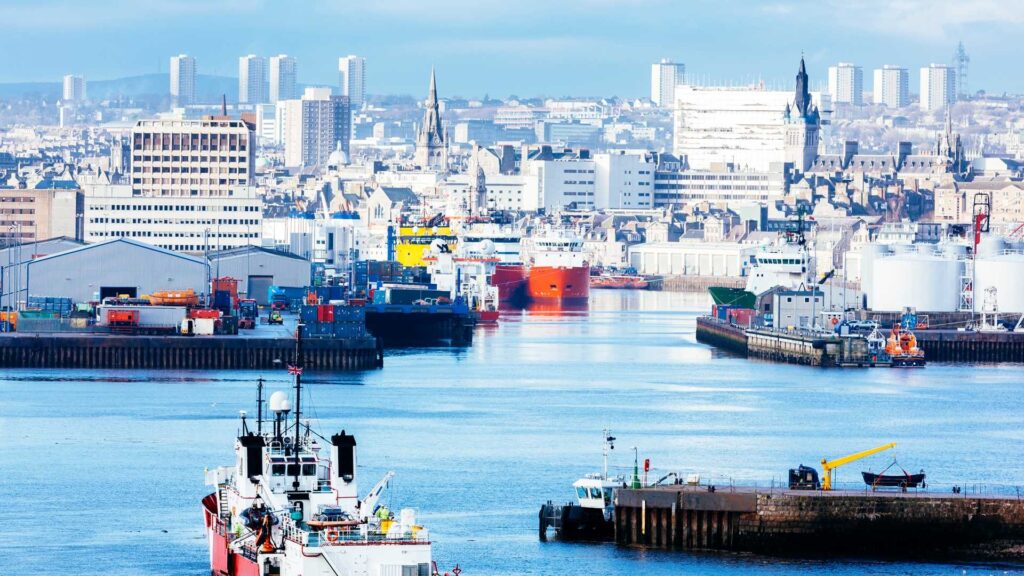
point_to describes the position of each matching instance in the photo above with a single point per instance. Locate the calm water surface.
(101, 472)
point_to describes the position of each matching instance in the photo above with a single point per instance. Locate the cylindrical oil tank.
(927, 282)
(870, 254)
(1005, 273)
(990, 246)
(955, 251)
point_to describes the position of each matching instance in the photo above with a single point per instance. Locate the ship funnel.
(343, 464)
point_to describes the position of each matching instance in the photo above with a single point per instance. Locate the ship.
(592, 516)
(504, 244)
(902, 481)
(290, 506)
(556, 269)
(901, 347)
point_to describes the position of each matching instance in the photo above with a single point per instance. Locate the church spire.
(803, 95)
(432, 98)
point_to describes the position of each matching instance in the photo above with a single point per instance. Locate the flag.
(294, 370)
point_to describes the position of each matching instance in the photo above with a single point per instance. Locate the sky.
(515, 47)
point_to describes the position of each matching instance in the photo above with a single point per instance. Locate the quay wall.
(721, 335)
(180, 352)
(956, 346)
(685, 283)
(818, 524)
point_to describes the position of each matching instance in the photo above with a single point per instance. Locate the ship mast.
(296, 370)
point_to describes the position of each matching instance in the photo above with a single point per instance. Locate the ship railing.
(360, 535)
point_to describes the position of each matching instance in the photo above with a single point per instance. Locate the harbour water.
(102, 471)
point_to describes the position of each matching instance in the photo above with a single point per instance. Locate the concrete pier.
(804, 523)
(181, 352)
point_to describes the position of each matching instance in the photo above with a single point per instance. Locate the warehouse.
(121, 266)
(14, 261)
(257, 269)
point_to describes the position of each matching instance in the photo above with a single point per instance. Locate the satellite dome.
(279, 402)
(437, 246)
(487, 247)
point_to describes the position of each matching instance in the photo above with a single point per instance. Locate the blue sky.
(523, 47)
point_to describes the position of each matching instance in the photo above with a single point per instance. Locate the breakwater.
(181, 352)
(785, 522)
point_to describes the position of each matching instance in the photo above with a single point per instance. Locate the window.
(581, 492)
(309, 469)
(595, 492)
(276, 469)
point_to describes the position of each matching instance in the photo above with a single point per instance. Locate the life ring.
(835, 320)
(333, 535)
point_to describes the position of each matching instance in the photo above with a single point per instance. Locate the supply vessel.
(289, 504)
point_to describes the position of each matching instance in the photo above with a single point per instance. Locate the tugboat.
(901, 346)
(592, 516)
(289, 505)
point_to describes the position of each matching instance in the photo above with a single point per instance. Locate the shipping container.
(149, 316)
(741, 316)
(204, 326)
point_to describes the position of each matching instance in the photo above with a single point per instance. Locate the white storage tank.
(1005, 273)
(927, 282)
(870, 255)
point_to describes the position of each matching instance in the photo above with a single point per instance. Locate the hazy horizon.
(487, 47)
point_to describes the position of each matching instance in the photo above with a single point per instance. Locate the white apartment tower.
(846, 83)
(252, 79)
(183, 80)
(313, 127)
(74, 88)
(282, 78)
(938, 87)
(892, 86)
(352, 79)
(665, 76)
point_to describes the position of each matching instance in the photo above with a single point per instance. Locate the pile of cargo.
(333, 321)
(59, 307)
(735, 315)
(369, 273)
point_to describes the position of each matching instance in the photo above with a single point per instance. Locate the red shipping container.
(325, 313)
(741, 316)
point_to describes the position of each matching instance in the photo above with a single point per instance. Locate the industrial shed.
(257, 269)
(121, 266)
(14, 263)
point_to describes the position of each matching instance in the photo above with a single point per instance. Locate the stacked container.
(333, 321)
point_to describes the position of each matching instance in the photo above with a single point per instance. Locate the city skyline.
(608, 49)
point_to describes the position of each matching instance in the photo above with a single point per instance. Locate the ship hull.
(549, 284)
(223, 560)
(510, 279)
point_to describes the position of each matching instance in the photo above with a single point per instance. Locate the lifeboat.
(174, 298)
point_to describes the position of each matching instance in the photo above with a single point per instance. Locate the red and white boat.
(289, 505)
(557, 269)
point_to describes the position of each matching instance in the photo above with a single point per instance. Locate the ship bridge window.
(309, 469)
(293, 470)
(581, 492)
(595, 492)
(277, 470)
(607, 496)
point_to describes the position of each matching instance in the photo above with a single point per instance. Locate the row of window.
(175, 221)
(171, 208)
(18, 199)
(190, 181)
(151, 234)
(176, 169)
(17, 211)
(207, 159)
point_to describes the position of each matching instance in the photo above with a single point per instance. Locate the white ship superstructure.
(290, 505)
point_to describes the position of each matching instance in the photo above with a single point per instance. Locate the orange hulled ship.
(557, 270)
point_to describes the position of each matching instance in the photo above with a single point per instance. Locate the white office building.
(846, 83)
(74, 88)
(352, 79)
(282, 78)
(624, 180)
(745, 127)
(938, 87)
(252, 79)
(665, 77)
(268, 126)
(892, 86)
(183, 80)
(314, 126)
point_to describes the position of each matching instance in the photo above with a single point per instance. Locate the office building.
(751, 128)
(209, 157)
(846, 84)
(892, 86)
(938, 87)
(282, 78)
(183, 80)
(352, 79)
(74, 88)
(191, 188)
(665, 77)
(252, 79)
(314, 126)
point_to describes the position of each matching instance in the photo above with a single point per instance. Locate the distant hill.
(150, 86)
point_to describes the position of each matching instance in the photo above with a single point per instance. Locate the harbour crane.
(827, 466)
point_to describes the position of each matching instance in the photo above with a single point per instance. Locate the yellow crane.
(827, 466)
